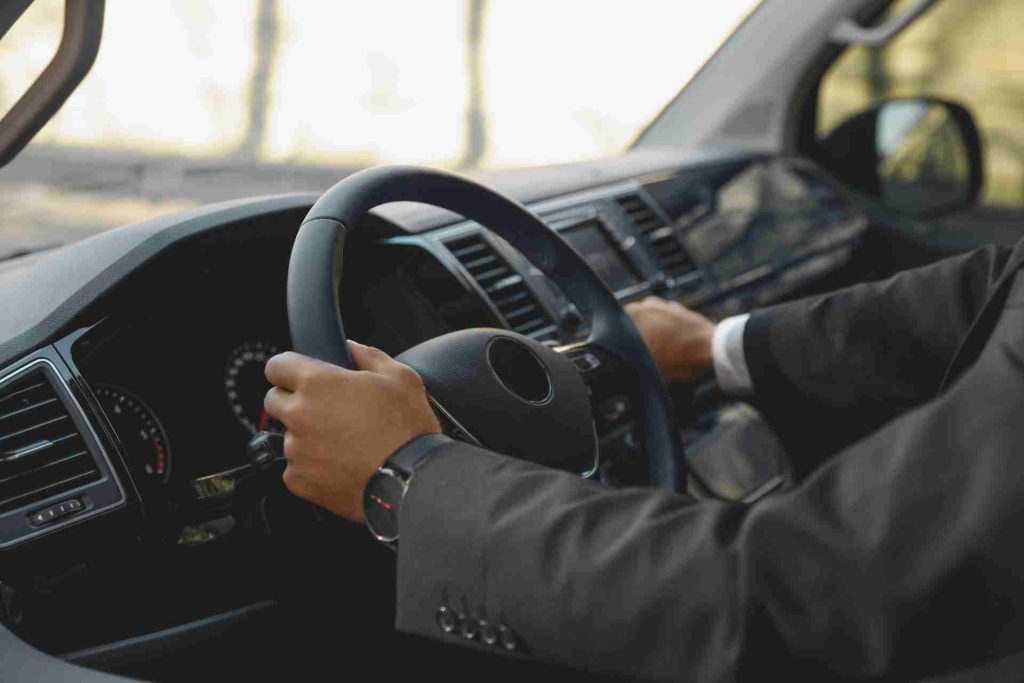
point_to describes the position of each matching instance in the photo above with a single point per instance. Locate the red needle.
(378, 501)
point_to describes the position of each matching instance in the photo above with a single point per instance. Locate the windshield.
(195, 101)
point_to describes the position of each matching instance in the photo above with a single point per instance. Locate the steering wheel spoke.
(614, 396)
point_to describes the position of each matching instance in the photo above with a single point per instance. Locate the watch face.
(381, 499)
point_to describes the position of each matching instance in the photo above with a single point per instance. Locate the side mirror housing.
(921, 157)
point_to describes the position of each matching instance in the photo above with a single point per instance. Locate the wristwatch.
(383, 495)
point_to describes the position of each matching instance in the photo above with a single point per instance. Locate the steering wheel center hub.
(519, 370)
(516, 395)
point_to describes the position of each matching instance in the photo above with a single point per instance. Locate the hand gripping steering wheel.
(511, 393)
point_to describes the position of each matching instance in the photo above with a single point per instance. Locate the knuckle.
(309, 376)
(409, 376)
(281, 359)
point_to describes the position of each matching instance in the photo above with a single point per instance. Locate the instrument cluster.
(146, 441)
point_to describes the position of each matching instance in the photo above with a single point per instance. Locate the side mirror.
(919, 156)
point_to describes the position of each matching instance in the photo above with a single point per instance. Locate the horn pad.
(512, 393)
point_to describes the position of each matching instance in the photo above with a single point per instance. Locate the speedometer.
(245, 386)
(139, 430)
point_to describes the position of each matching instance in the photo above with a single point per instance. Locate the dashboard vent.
(671, 254)
(42, 453)
(503, 286)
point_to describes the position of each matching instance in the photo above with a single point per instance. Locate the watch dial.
(380, 505)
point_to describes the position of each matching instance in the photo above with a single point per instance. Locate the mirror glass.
(923, 159)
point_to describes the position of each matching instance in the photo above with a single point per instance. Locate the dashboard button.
(55, 512)
(613, 408)
(586, 361)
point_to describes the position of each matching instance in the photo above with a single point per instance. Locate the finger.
(676, 306)
(277, 403)
(287, 369)
(370, 359)
(294, 482)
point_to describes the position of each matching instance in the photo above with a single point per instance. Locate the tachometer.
(245, 385)
(139, 429)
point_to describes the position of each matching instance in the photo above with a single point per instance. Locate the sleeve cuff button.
(447, 620)
(487, 633)
(469, 629)
(507, 638)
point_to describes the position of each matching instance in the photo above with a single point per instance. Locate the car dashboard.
(164, 366)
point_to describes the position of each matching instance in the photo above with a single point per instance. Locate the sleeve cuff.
(728, 357)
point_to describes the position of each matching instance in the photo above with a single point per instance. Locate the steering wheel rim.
(315, 268)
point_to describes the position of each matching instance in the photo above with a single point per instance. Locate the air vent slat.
(669, 250)
(30, 429)
(485, 260)
(544, 333)
(512, 299)
(528, 310)
(33, 406)
(32, 452)
(503, 286)
(53, 463)
(41, 452)
(19, 395)
(492, 274)
(47, 490)
(530, 325)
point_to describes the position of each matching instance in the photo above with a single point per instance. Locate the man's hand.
(342, 424)
(678, 338)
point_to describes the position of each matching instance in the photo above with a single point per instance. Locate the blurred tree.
(266, 39)
(476, 122)
(877, 74)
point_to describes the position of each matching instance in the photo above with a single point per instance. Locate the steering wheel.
(503, 390)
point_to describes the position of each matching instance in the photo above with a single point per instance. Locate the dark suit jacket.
(900, 555)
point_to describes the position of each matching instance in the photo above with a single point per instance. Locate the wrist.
(705, 353)
(385, 491)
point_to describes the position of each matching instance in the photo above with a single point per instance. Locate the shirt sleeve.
(729, 360)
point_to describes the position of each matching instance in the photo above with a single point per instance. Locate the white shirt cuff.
(728, 357)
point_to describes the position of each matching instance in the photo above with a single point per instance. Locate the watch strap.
(408, 457)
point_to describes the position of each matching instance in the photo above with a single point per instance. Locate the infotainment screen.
(594, 244)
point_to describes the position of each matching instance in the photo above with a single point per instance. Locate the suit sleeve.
(900, 556)
(830, 369)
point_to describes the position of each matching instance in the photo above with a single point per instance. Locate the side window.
(967, 51)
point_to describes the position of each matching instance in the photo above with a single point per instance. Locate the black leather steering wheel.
(491, 381)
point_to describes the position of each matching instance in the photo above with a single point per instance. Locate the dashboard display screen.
(593, 243)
